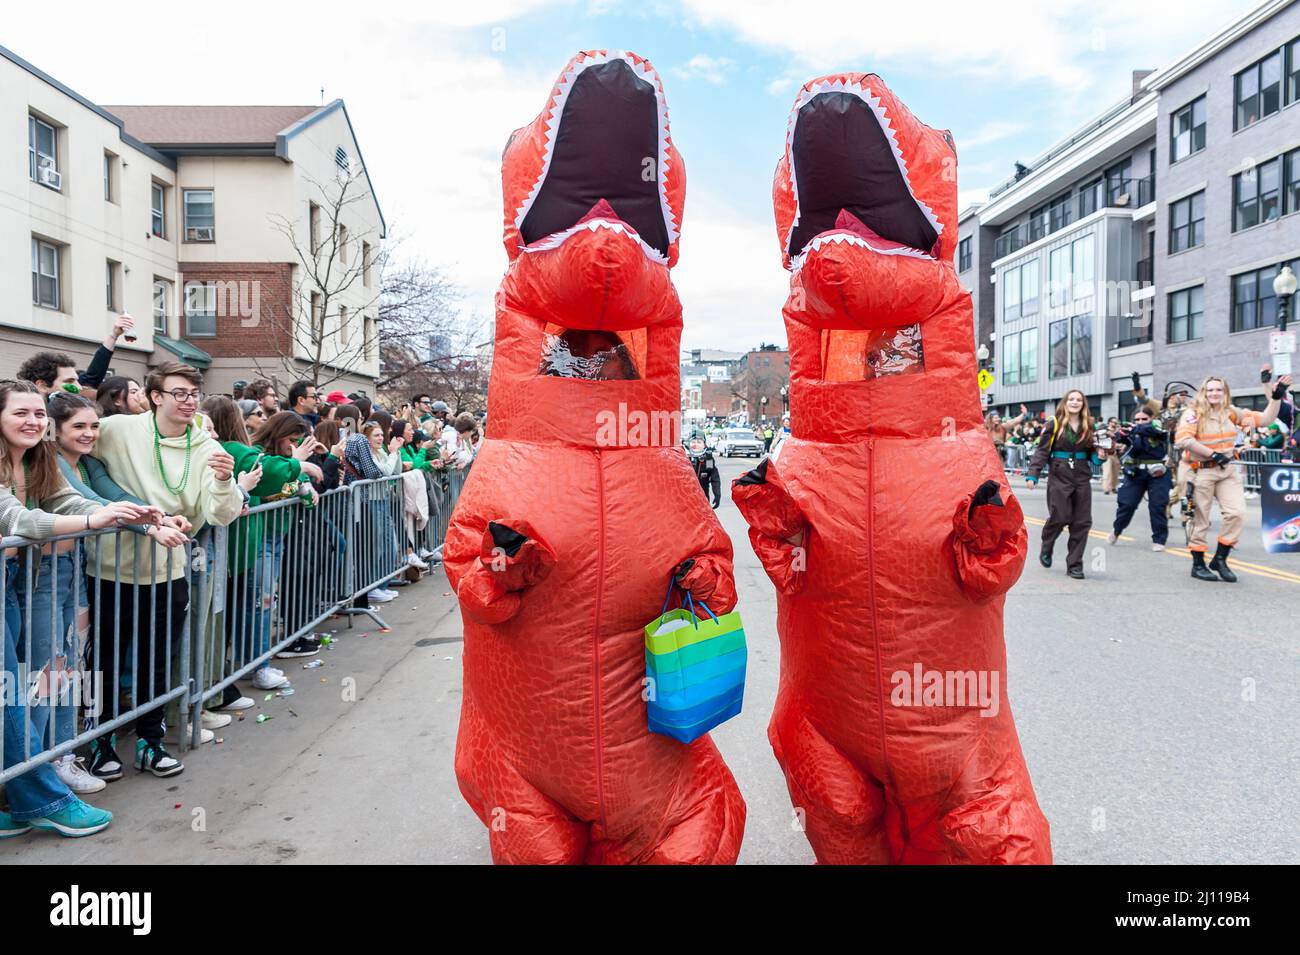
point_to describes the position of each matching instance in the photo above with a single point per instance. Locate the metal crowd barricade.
(89, 646)
(250, 590)
(1254, 459)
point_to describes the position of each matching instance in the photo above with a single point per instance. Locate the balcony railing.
(1120, 194)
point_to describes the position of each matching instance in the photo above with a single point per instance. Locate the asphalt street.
(1158, 715)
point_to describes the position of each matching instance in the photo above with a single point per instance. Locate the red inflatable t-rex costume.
(581, 502)
(886, 522)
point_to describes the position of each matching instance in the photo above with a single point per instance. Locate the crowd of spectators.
(82, 452)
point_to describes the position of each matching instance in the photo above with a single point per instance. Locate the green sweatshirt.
(279, 478)
(417, 457)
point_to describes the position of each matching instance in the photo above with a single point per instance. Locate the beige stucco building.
(211, 225)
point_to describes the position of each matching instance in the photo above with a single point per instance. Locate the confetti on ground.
(324, 679)
(386, 630)
(446, 593)
(219, 740)
(177, 806)
(262, 717)
(446, 658)
(313, 665)
(268, 697)
(287, 691)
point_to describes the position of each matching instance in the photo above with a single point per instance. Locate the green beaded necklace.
(157, 453)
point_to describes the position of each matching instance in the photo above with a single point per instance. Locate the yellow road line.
(1258, 570)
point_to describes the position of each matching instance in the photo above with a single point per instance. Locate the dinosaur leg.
(840, 808)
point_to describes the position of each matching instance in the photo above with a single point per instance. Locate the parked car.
(737, 441)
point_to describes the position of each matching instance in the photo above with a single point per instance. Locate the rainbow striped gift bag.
(695, 670)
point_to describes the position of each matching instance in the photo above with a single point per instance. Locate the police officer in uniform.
(1145, 472)
(706, 469)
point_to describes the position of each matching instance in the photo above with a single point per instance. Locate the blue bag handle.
(687, 604)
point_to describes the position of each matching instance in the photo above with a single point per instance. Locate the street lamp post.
(1283, 287)
(785, 399)
(1282, 345)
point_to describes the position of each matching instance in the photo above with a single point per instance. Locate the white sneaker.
(381, 596)
(276, 670)
(413, 560)
(243, 703)
(214, 721)
(1157, 546)
(205, 736)
(1114, 538)
(425, 553)
(265, 679)
(72, 772)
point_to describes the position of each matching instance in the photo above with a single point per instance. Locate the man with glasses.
(168, 459)
(1145, 472)
(303, 401)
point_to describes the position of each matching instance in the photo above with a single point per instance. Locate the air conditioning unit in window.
(50, 177)
(200, 233)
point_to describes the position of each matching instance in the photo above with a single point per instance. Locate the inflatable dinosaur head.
(593, 190)
(866, 211)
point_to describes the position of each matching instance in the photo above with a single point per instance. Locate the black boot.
(1220, 563)
(1045, 557)
(1075, 572)
(1199, 570)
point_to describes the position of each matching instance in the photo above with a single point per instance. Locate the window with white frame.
(160, 295)
(1257, 91)
(1187, 222)
(1020, 293)
(1257, 194)
(45, 274)
(1186, 307)
(42, 152)
(200, 216)
(200, 309)
(110, 177)
(1187, 130)
(1058, 276)
(158, 209)
(111, 285)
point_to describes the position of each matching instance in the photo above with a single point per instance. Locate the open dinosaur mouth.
(605, 159)
(850, 178)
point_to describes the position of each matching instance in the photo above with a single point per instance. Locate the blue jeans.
(38, 792)
(51, 612)
(256, 591)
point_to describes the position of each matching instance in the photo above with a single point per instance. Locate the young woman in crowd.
(367, 458)
(1067, 448)
(289, 436)
(37, 503)
(254, 544)
(1207, 434)
(76, 432)
(118, 395)
(253, 415)
(329, 455)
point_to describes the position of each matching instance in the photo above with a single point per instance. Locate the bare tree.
(333, 318)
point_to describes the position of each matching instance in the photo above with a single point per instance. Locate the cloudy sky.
(434, 89)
